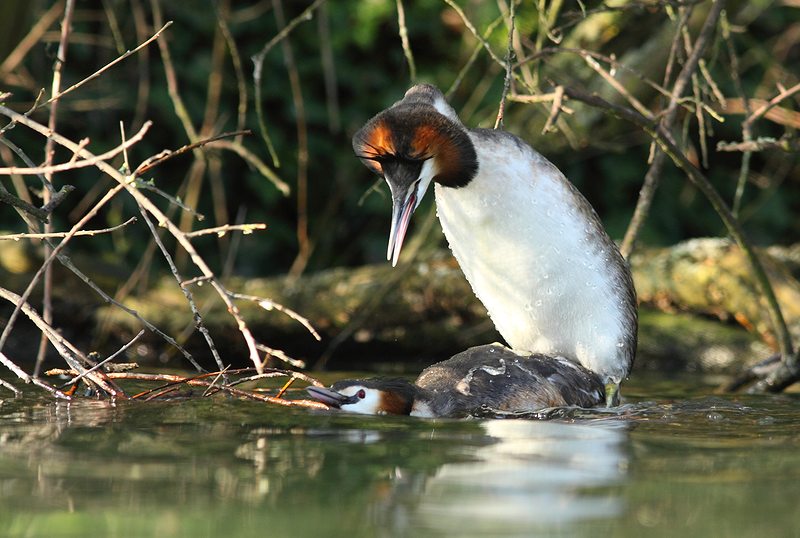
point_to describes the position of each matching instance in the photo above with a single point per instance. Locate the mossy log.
(426, 310)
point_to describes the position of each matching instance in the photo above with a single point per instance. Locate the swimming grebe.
(490, 377)
(531, 246)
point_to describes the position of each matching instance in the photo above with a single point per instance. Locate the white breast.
(535, 256)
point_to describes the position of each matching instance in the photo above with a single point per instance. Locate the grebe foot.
(612, 394)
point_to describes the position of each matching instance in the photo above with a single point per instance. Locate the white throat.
(528, 244)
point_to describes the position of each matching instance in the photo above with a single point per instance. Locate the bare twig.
(303, 242)
(650, 184)
(258, 66)
(257, 163)
(198, 318)
(664, 139)
(498, 122)
(775, 101)
(105, 361)
(68, 352)
(107, 66)
(227, 228)
(200, 382)
(474, 56)
(475, 33)
(75, 164)
(268, 304)
(614, 83)
(33, 37)
(9, 386)
(172, 80)
(762, 143)
(401, 23)
(20, 373)
(747, 133)
(280, 355)
(272, 373)
(17, 237)
(776, 114)
(329, 69)
(236, 59)
(22, 205)
(220, 375)
(555, 109)
(61, 58)
(165, 155)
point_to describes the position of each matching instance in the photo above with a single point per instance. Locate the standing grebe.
(531, 246)
(490, 377)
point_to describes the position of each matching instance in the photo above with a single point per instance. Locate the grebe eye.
(361, 394)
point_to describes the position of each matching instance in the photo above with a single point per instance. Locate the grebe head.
(416, 141)
(376, 396)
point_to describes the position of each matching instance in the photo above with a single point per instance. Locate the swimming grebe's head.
(377, 396)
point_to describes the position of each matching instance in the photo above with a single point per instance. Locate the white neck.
(532, 249)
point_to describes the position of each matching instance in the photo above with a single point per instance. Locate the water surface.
(671, 461)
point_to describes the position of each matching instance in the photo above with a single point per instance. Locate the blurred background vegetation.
(345, 63)
(349, 64)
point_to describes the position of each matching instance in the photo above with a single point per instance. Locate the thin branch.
(257, 163)
(762, 143)
(401, 23)
(555, 109)
(775, 101)
(508, 65)
(236, 59)
(475, 33)
(304, 246)
(664, 139)
(198, 318)
(258, 66)
(105, 361)
(614, 83)
(61, 58)
(33, 37)
(747, 133)
(53, 235)
(650, 184)
(123, 182)
(8, 198)
(20, 373)
(68, 352)
(165, 155)
(172, 81)
(75, 164)
(280, 355)
(329, 70)
(227, 228)
(10, 387)
(474, 56)
(107, 66)
(268, 304)
(198, 381)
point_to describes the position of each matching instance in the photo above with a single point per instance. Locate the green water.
(669, 462)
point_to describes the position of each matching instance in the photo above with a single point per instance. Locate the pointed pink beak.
(401, 216)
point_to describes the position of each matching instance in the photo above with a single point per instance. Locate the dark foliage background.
(606, 158)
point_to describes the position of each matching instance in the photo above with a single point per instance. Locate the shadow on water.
(694, 465)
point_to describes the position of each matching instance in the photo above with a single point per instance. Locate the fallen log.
(426, 310)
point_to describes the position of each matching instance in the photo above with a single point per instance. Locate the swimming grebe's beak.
(330, 397)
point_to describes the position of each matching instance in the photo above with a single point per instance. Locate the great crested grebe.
(531, 246)
(490, 377)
